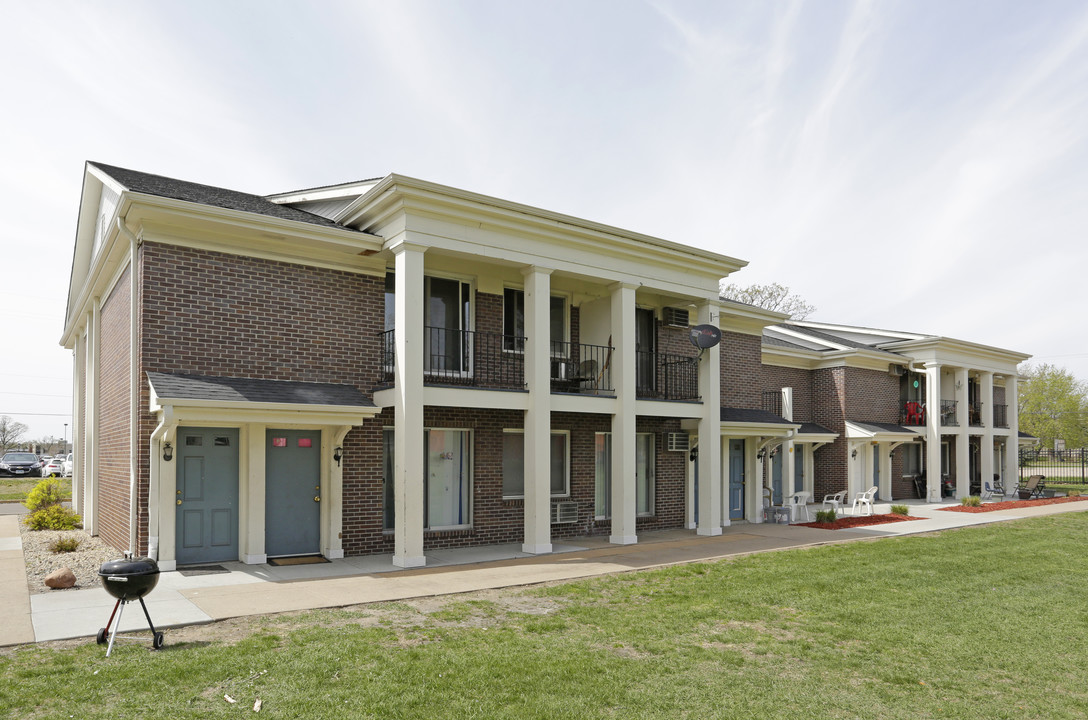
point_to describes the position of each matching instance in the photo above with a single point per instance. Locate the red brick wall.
(872, 396)
(741, 374)
(114, 433)
(775, 378)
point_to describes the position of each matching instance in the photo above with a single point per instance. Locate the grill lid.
(129, 567)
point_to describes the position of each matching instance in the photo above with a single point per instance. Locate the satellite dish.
(705, 336)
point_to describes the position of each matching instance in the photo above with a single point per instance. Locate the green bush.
(64, 544)
(825, 516)
(971, 501)
(53, 517)
(44, 494)
(900, 510)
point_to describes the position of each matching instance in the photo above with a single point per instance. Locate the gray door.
(736, 479)
(776, 478)
(798, 469)
(292, 503)
(207, 495)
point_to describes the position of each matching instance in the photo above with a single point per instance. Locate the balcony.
(462, 357)
(666, 376)
(974, 414)
(948, 413)
(581, 368)
(1001, 416)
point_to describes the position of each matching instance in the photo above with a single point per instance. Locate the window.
(513, 319)
(388, 507)
(447, 314)
(644, 475)
(447, 479)
(912, 459)
(513, 464)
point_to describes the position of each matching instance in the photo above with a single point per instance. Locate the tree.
(770, 297)
(11, 432)
(1053, 404)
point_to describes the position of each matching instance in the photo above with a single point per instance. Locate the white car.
(68, 465)
(53, 467)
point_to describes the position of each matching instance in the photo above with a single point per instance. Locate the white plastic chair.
(798, 503)
(864, 500)
(835, 501)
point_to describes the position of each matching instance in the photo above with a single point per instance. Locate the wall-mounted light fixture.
(337, 454)
(761, 454)
(694, 454)
(854, 454)
(167, 452)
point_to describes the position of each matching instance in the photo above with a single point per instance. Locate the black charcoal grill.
(128, 579)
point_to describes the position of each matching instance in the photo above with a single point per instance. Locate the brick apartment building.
(392, 366)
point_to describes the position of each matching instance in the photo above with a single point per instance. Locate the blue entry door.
(292, 503)
(736, 479)
(798, 468)
(206, 516)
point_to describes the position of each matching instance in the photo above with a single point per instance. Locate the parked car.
(20, 463)
(68, 465)
(53, 467)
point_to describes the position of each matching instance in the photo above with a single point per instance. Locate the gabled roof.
(233, 390)
(160, 186)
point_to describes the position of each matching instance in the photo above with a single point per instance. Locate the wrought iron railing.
(948, 413)
(666, 376)
(462, 357)
(581, 368)
(1001, 416)
(772, 401)
(974, 414)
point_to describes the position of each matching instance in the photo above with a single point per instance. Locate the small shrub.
(54, 517)
(971, 501)
(825, 516)
(900, 510)
(64, 544)
(44, 494)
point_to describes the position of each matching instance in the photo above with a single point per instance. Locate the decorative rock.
(60, 579)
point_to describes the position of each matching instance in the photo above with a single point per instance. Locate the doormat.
(298, 560)
(194, 570)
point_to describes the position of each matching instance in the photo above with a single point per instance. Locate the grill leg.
(148, 616)
(110, 621)
(113, 636)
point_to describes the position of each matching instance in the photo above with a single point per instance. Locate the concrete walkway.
(259, 589)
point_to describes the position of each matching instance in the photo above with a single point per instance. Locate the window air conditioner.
(679, 442)
(564, 512)
(675, 317)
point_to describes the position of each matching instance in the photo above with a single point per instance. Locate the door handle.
(317, 498)
(179, 501)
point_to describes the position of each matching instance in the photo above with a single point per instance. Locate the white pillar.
(623, 422)
(933, 432)
(332, 497)
(79, 364)
(408, 406)
(538, 423)
(986, 444)
(963, 434)
(789, 448)
(1012, 446)
(710, 471)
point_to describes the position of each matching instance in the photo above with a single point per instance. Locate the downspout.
(164, 429)
(134, 388)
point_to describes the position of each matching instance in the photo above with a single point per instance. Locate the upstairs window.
(513, 319)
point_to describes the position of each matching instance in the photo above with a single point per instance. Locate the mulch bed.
(859, 521)
(1013, 504)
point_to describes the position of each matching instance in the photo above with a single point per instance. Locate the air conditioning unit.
(679, 442)
(675, 317)
(896, 370)
(564, 513)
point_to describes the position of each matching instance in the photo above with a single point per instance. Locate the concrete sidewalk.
(259, 589)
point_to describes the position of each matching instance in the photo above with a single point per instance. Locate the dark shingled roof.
(744, 415)
(768, 340)
(884, 428)
(199, 387)
(160, 186)
(828, 337)
(814, 429)
(1021, 433)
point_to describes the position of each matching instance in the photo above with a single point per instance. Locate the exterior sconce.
(167, 452)
(761, 454)
(854, 454)
(694, 454)
(337, 454)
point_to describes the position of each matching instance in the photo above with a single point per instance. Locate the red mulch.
(1012, 504)
(859, 521)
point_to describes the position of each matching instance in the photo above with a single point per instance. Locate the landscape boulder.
(60, 579)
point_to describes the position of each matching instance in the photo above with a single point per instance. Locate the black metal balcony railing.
(581, 368)
(772, 401)
(1001, 416)
(666, 376)
(974, 414)
(462, 357)
(948, 413)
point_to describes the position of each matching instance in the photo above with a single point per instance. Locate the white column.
(332, 496)
(933, 432)
(623, 422)
(79, 363)
(963, 434)
(251, 517)
(789, 458)
(710, 470)
(1012, 446)
(408, 406)
(538, 422)
(986, 444)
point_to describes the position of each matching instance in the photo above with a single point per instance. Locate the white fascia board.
(854, 432)
(329, 192)
(100, 275)
(254, 411)
(397, 192)
(666, 408)
(768, 430)
(857, 330)
(809, 339)
(960, 352)
(790, 357)
(747, 319)
(815, 437)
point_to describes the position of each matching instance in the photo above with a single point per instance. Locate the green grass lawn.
(16, 488)
(984, 622)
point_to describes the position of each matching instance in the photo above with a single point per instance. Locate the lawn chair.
(864, 500)
(835, 501)
(998, 487)
(798, 502)
(1032, 488)
(987, 491)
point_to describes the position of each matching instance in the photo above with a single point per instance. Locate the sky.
(918, 165)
